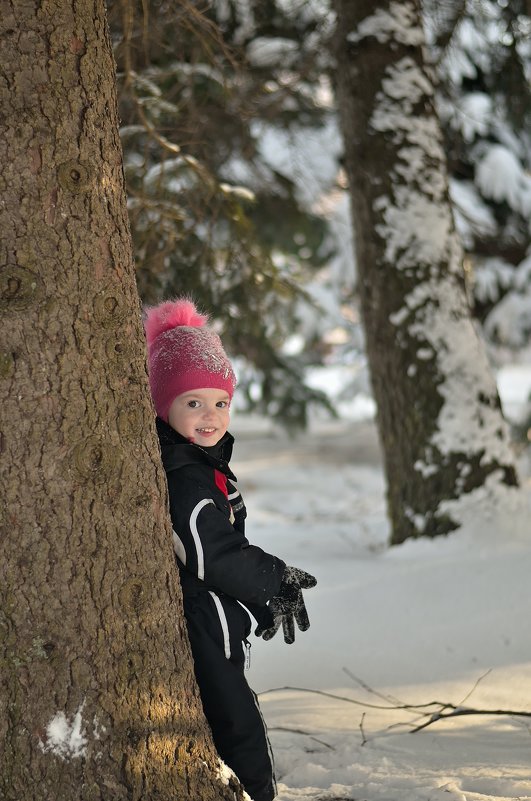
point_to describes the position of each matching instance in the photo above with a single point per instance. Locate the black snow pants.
(217, 629)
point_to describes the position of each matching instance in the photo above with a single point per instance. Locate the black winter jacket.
(208, 518)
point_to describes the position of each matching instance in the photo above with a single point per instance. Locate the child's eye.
(193, 404)
(222, 404)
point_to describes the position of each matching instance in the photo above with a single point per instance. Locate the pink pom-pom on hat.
(183, 354)
(171, 314)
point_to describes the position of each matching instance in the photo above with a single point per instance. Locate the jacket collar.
(177, 451)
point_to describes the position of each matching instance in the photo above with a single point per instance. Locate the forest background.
(238, 193)
(241, 153)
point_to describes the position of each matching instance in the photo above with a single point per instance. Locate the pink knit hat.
(183, 354)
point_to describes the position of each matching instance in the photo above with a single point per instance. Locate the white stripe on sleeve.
(197, 538)
(178, 547)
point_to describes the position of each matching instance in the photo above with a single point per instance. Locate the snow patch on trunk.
(225, 774)
(66, 738)
(464, 424)
(417, 221)
(418, 231)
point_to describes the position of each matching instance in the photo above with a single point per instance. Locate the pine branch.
(456, 13)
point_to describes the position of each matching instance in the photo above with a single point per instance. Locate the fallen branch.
(445, 709)
(459, 711)
(363, 738)
(300, 731)
(328, 695)
(442, 711)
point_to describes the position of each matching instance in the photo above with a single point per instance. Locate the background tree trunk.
(98, 699)
(439, 415)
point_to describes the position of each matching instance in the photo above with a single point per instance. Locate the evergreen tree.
(482, 53)
(225, 107)
(97, 692)
(211, 216)
(446, 450)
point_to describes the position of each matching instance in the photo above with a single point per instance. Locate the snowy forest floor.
(419, 622)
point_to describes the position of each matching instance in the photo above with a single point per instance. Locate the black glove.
(262, 615)
(288, 606)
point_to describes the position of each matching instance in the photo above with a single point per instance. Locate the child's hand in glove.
(288, 606)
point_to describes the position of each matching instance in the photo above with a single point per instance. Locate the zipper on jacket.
(247, 649)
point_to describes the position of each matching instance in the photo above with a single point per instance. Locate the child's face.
(201, 415)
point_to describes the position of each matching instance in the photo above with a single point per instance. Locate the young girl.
(192, 384)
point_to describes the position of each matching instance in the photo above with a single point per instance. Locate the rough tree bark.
(445, 443)
(97, 695)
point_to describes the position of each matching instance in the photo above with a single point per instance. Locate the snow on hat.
(183, 354)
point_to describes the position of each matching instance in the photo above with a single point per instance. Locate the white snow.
(416, 220)
(160, 172)
(239, 191)
(490, 275)
(418, 230)
(407, 222)
(471, 213)
(510, 320)
(500, 176)
(405, 82)
(66, 738)
(225, 774)
(308, 157)
(473, 115)
(458, 65)
(514, 384)
(461, 358)
(418, 622)
(263, 51)
(244, 16)
(399, 23)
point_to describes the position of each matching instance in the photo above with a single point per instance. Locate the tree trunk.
(445, 443)
(97, 693)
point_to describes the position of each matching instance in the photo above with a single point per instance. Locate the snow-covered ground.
(416, 623)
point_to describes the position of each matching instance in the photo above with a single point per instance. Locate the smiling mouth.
(205, 430)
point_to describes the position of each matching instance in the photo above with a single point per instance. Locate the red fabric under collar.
(221, 482)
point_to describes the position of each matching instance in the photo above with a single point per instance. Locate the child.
(192, 383)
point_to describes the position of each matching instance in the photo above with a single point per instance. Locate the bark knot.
(109, 308)
(75, 176)
(95, 459)
(19, 287)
